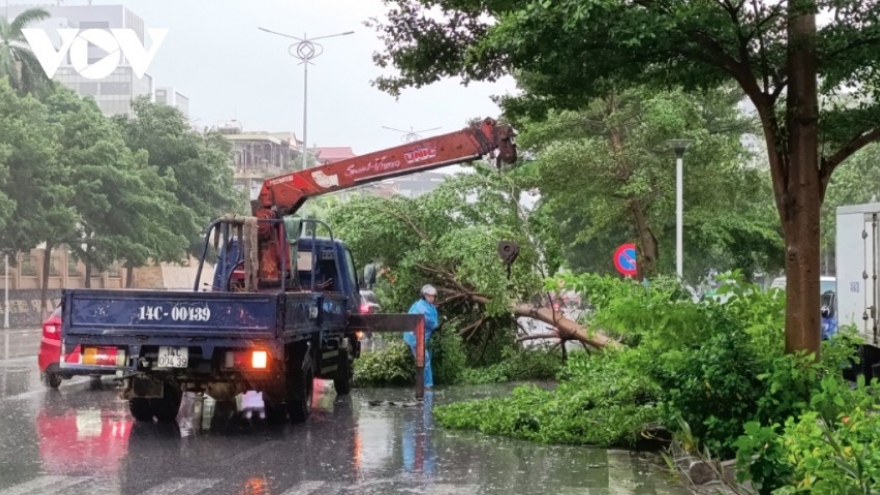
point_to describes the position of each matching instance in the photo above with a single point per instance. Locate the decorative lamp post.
(306, 50)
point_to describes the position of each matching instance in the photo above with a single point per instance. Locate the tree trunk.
(44, 283)
(129, 275)
(801, 203)
(88, 262)
(648, 251)
(567, 329)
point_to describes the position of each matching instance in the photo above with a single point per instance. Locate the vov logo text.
(116, 42)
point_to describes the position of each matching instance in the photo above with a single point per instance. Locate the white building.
(114, 93)
(172, 98)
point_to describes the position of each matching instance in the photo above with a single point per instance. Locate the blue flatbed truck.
(224, 342)
(282, 308)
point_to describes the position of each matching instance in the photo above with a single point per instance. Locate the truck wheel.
(53, 380)
(166, 408)
(344, 373)
(300, 385)
(140, 409)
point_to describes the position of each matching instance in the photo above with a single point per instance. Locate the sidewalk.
(18, 343)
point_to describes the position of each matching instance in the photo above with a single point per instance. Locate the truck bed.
(206, 320)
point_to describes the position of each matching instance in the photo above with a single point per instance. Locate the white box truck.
(857, 244)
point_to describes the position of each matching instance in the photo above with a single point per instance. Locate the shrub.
(715, 365)
(831, 448)
(599, 402)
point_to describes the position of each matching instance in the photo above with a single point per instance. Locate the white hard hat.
(429, 290)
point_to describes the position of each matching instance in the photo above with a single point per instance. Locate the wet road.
(81, 440)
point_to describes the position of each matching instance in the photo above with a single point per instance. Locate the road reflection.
(82, 439)
(374, 441)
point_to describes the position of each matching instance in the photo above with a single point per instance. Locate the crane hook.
(508, 251)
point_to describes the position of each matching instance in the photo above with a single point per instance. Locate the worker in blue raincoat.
(425, 306)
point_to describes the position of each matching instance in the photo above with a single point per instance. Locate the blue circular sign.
(625, 259)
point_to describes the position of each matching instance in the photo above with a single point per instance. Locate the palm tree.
(17, 61)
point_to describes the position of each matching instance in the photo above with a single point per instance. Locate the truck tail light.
(103, 356)
(259, 360)
(365, 308)
(247, 360)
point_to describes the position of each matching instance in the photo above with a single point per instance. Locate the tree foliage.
(564, 53)
(122, 201)
(17, 61)
(111, 190)
(194, 166)
(37, 189)
(606, 175)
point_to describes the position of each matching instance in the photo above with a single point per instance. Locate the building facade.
(257, 155)
(172, 98)
(114, 93)
(26, 271)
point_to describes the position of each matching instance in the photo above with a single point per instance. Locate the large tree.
(17, 61)
(605, 174)
(122, 202)
(36, 193)
(565, 52)
(196, 167)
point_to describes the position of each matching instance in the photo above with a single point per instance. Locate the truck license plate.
(173, 357)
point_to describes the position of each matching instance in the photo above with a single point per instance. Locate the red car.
(50, 352)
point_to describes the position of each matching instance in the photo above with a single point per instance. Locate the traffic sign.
(625, 259)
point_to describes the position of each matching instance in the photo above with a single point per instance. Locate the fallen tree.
(449, 238)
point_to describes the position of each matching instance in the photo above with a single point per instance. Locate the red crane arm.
(287, 193)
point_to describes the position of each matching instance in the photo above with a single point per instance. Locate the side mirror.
(827, 304)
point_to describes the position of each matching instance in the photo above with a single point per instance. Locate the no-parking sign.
(625, 259)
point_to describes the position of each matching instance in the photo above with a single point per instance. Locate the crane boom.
(284, 195)
(287, 193)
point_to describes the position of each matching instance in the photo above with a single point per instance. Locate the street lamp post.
(306, 50)
(679, 146)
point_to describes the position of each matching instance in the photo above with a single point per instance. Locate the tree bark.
(802, 195)
(129, 275)
(88, 262)
(567, 329)
(44, 283)
(648, 247)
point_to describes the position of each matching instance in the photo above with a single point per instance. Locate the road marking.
(182, 486)
(45, 484)
(305, 488)
(452, 489)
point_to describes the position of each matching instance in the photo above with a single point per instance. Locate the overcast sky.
(215, 55)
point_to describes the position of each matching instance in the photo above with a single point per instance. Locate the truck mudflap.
(111, 326)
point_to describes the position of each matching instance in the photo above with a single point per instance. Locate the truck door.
(352, 281)
(871, 250)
